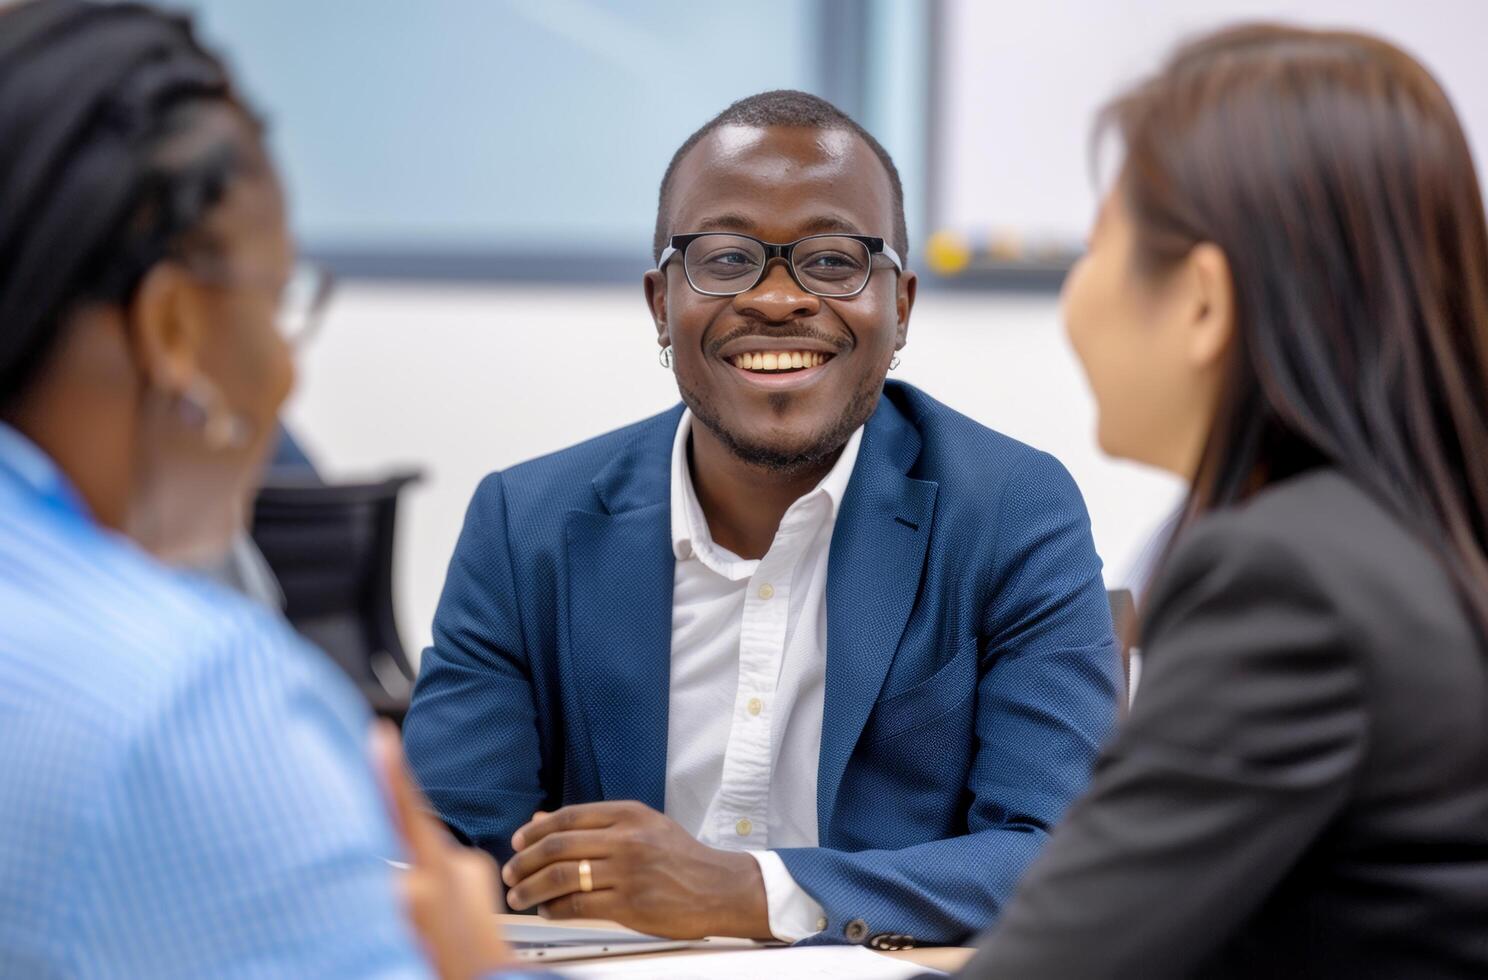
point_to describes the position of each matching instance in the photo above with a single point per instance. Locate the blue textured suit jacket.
(971, 667)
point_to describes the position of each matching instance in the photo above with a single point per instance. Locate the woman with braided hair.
(183, 785)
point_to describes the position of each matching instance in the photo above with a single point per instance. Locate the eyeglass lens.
(301, 303)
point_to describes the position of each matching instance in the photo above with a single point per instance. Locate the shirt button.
(756, 706)
(767, 591)
(744, 826)
(821, 924)
(856, 931)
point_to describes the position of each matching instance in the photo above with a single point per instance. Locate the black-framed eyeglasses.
(727, 264)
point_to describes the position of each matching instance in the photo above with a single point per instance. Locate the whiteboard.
(493, 127)
(1022, 82)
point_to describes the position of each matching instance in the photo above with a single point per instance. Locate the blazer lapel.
(873, 578)
(620, 570)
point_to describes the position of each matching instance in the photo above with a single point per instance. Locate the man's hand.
(449, 891)
(647, 872)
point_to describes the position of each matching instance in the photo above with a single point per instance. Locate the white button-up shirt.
(748, 682)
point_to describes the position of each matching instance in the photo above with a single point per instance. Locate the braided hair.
(94, 188)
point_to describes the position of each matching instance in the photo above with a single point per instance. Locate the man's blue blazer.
(971, 674)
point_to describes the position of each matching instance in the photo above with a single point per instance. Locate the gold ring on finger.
(586, 876)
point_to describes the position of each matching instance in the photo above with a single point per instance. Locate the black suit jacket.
(1301, 788)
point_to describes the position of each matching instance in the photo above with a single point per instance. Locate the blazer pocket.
(928, 701)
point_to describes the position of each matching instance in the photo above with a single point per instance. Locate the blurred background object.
(331, 550)
(482, 176)
(522, 140)
(1016, 85)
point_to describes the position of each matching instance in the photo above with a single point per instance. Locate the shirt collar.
(690, 534)
(27, 464)
(34, 469)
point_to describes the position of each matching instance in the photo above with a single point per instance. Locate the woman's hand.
(450, 892)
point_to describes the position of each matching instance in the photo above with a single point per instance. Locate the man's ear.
(1212, 305)
(164, 324)
(904, 299)
(655, 285)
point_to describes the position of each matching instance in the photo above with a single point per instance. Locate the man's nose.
(777, 297)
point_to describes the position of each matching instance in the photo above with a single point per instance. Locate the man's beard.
(783, 460)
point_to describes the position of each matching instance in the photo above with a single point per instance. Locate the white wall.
(1023, 82)
(461, 381)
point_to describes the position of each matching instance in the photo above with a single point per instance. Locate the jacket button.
(856, 930)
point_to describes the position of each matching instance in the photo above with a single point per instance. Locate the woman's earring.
(665, 357)
(201, 407)
(893, 362)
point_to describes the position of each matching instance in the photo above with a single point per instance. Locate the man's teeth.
(792, 360)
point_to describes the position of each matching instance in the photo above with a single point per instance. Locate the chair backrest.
(331, 548)
(1124, 618)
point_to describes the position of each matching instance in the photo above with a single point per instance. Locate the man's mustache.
(785, 331)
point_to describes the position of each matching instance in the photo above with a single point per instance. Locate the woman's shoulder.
(227, 648)
(1319, 526)
(1319, 544)
(120, 636)
(120, 665)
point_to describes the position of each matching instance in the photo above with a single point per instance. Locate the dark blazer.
(1301, 789)
(971, 671)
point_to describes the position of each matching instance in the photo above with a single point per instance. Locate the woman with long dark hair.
(1285, 301)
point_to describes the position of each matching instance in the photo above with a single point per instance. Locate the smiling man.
(813, 657)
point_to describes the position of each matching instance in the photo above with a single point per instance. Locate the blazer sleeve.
(471, 734)
(1046, 696)
(1240, 748)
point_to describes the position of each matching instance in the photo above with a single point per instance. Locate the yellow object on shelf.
(947, 253)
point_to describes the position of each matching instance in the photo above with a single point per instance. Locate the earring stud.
(202, 407)
(893, 362)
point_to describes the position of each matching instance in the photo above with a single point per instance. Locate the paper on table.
(797, 963)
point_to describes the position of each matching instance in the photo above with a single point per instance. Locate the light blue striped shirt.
(184, 787)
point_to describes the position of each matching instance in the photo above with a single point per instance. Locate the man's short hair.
(783, 107)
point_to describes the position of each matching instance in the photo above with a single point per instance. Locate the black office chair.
(1124, 617)
(331, 548)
